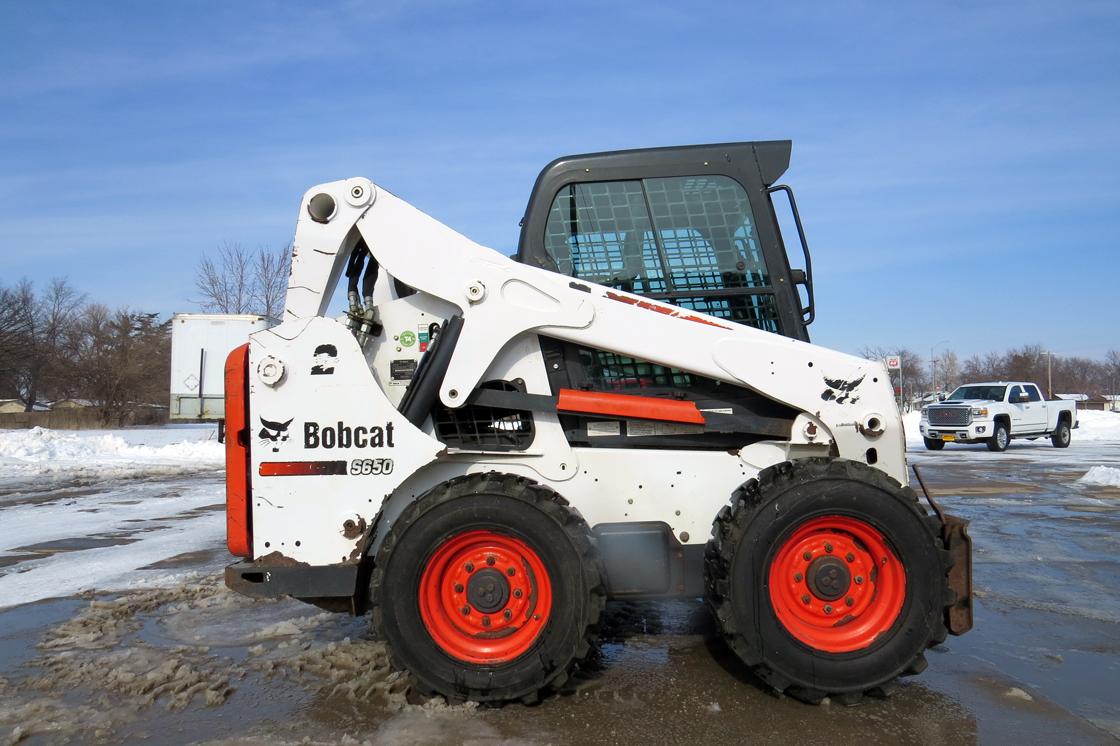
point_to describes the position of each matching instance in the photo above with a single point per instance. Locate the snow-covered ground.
(83, 510)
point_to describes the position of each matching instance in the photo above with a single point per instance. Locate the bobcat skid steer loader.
(482, 451)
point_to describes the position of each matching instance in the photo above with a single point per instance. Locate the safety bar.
(808, 313)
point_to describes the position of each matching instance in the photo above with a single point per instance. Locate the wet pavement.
(190, 662)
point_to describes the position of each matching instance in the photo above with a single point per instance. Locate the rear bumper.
(261, 579)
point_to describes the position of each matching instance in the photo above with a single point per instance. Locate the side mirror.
(1024, 397)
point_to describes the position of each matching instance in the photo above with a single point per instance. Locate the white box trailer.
(200, 343)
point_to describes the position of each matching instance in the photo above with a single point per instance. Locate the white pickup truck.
(994, 413)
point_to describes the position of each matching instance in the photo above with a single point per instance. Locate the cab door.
(1018, 410)
(1034, 410)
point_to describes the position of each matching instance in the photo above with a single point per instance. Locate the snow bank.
(1097, 426)
(1105, 476)
(41, 451)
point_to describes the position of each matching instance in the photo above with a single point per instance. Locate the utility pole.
(933, 365)
(1049, 378)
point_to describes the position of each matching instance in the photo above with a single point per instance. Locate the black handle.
(808, 312)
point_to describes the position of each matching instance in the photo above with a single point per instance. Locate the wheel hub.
(836, 584)
(485, 597)
(828, 578)
(487, 591)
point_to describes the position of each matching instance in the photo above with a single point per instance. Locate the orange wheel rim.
(485, 597)
(836, 585)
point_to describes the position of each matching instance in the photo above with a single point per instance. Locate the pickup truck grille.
(948, 415)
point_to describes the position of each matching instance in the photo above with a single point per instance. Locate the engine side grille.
(948, 415)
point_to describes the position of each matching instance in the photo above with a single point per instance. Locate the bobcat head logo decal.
(273, 433)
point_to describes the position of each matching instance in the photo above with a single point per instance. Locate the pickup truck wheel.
(1001, 438)
(934, 444)
(828, 579)
(1061, 436)
(487, 588)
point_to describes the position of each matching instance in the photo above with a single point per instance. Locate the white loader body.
(345, 455)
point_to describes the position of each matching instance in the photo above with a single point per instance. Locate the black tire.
(1001, 438)
(748, 534)
(934, 444)
(1061, 436)
(510, 506)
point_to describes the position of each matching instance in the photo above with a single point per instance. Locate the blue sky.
(957, 165)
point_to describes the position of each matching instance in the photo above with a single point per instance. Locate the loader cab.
(693, 226)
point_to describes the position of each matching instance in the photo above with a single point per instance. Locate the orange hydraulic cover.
(624, 405)
(237, 453)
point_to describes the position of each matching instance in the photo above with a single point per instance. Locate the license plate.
(948, 438)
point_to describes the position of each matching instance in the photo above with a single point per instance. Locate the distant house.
(72, 404)
(1097, 402)
(15, 406)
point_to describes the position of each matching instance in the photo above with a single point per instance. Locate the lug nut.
(507, 614)
(517, 593)
(850, 557)
(828, 547)
(806, 556)
(485, 621)
(458, 587)
(827, 609)
(859, 580)
(466, 610)
(511, 572)
(490, 560)
(850, 601)
(797, 577)
(805, 599)
(469, 567)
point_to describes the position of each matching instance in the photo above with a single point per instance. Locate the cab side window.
(1013, 395)
(1032, 392)
(687, 239)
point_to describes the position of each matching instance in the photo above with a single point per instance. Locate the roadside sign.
(894, 362)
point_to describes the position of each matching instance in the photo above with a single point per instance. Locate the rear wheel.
(1061, 436)
(486, 588)
(1001, 438)
(828, 579)
(934, 444)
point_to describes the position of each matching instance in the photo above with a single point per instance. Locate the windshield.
(987, 393)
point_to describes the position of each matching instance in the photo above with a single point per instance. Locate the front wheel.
(828, 579)
(1061, 436)
(487, 588)
(1001, 438)
(934, 444)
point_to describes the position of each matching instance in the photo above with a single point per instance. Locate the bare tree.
(225, 283)
(912, 379)
(238, 280)
(16, 313)
(35, 366)
(1112, 372)
(949, 370)
(126, 359)
(270, 279)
